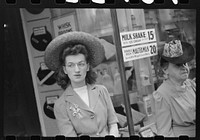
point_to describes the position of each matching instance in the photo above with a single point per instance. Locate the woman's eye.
(70, 65)
(82, 64)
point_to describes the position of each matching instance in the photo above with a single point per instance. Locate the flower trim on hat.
(173, 49)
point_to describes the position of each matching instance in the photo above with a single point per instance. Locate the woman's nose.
(77, 68)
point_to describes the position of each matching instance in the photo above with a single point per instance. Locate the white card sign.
(137, 37)
(64, 24)
(140, 51)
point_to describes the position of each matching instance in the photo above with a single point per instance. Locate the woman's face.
(179, 73)
(76, 68)
(128, 73)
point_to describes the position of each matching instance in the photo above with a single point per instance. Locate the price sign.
(139, 51)
(51, 99)
(40, 38)
(39, 30)
(147, 133)
(137, 37)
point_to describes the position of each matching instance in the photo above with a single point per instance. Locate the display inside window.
(172, 24)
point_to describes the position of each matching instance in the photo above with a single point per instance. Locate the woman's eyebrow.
(77, 62)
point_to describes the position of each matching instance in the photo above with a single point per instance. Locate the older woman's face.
(128, 73)
(178, 72)
(76, 68)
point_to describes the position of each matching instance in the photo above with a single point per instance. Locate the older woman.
(175, 99)
(84, 108)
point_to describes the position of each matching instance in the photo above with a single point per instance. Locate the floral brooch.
(76, 111)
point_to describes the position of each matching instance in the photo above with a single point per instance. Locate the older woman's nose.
(186, 66)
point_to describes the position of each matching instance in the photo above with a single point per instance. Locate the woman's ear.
(64, 69)
(88, 67)
(165, 70)
(166, 73)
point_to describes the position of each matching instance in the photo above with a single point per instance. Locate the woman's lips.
(77, 75)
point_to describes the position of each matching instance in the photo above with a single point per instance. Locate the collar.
(72, 97)
(178, 88)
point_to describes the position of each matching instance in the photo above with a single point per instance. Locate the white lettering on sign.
(39, 30)
(64, 31)
(99, 1)
(137, 37)
(148, 1)
(51, 99)
(64, 24)
(151, 1)
(95, 1)
(72, 1)
(103, 1)
(140, 51)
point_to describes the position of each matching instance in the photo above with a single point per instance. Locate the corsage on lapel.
(76, 111)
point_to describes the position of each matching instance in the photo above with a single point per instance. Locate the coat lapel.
(93, 96)
(72, 97)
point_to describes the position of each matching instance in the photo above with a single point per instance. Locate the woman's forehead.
(75, 58)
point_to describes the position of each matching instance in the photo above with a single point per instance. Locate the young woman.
(84, 108)
(175, 99)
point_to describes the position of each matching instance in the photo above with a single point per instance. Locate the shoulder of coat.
(100, 87)
(190, 82)
(157, 96)
(60, 100)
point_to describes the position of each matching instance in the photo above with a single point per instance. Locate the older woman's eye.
(182, 64)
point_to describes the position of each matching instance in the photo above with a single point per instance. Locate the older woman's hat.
(92, 44)
(177, 52)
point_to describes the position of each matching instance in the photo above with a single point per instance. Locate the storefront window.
(143, 75)
(170, 24)
(95, 21)
(98, 22)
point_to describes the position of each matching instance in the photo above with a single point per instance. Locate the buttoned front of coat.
(75, 118)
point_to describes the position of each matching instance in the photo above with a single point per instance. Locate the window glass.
(170, 24)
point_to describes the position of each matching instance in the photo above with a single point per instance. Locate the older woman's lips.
(185, 72)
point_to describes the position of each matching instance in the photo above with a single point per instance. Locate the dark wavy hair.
(163, 63)
(62, 79)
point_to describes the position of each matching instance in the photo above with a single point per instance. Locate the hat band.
(173, 49)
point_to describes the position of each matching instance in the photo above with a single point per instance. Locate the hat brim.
(188, 54)
(95, 49)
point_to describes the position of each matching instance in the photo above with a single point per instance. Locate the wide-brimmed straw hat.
(176, 51)
(92, 44)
